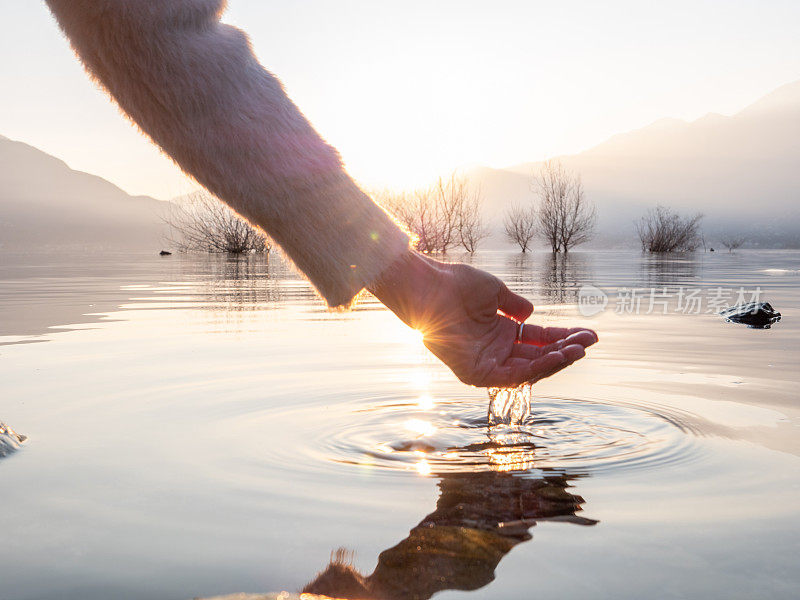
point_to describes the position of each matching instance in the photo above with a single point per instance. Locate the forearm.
(193, 85)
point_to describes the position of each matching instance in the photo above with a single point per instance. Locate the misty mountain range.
(44, 204)
(742, 172)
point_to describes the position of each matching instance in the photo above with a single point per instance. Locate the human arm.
(193, 85)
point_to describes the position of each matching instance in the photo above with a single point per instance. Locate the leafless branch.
(441, 216)
(732, 242)
(521, 225)
(663, 230)
(471, 227)
(566, 218)
(204, 223)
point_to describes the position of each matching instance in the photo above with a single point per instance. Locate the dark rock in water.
(10, 440)
(165, 253)
(759, 315)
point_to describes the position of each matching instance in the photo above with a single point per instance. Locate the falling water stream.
(510, 406)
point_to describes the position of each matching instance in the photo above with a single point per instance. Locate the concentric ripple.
(578, 435)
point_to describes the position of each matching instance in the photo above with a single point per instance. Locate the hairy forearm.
(192, 84)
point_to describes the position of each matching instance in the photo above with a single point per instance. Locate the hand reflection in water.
(479, 518)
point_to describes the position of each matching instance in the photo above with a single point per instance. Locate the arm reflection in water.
(479, 518)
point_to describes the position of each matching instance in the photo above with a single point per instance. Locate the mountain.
(741, 171)
(46, 204)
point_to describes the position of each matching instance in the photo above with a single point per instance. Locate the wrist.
(407, 285)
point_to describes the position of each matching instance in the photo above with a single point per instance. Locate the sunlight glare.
(419, 379)
(409, 336)
(425, 402)
(423, 468)
(420, 427)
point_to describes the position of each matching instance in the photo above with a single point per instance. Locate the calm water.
(201, 425)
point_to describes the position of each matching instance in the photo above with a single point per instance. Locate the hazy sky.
(409, 89)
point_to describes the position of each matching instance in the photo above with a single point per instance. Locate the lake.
(201, 425)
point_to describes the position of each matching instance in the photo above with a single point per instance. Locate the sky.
(410, 90)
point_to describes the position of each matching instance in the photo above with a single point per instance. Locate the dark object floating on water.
(712, 249)
(759, 315)
(165, 253)
(10, 440)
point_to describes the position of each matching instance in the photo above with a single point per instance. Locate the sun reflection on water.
(420, 427)
(419, 379)
(425, 402)
(423, 468)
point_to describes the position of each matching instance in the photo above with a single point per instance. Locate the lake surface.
(201, 425)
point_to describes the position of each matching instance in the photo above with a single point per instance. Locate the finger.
(513, 305)
(573, 352)
(583, 338)
(556, 361)
(585, 330)
(526, 351)
(541, 336)
(516, 371)
(547, 365)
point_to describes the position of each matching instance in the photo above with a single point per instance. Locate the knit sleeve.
(193, 85)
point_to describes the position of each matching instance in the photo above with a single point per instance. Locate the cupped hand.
(470, 320)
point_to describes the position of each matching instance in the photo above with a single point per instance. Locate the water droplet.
(509, 406)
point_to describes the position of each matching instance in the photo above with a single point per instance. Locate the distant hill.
(45, 204)
(742, 171)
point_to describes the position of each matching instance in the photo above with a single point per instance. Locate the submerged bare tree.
(440, 216)
(566, 217)
(471, 227)
(732, 242)
(521, 225)
(202, 222)
(418, 213)
(663, 230)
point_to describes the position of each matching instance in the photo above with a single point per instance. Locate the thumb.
(513, 305)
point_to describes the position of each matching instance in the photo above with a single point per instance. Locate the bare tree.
(521, 224)
(400, 205)
(448, 196)
(202, 222)
(733, 242)
(566, 217)
(440, 216)
(663, 230)
(420, 214)
(471, 227)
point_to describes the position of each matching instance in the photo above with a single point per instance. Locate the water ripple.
(433, 437)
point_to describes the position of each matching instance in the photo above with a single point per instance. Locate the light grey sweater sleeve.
(193, 85)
